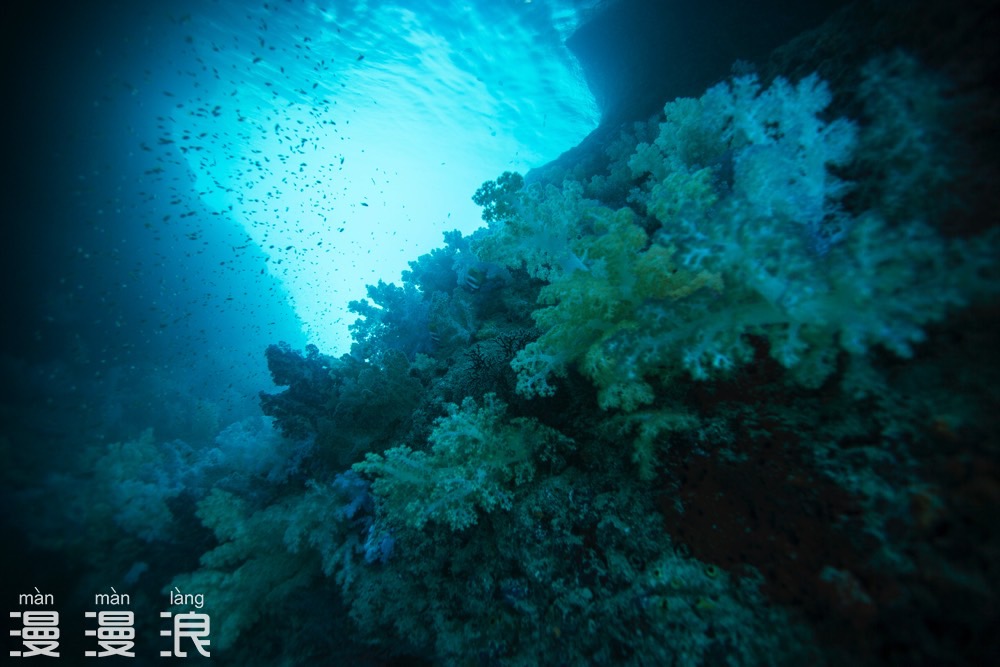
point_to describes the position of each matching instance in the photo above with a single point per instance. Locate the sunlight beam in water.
(347, 144)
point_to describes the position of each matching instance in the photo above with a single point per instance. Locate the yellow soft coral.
(589, 314)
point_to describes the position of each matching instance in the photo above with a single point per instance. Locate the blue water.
(528, 332)
(330, 132)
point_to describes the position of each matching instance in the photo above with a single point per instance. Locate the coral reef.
(729, 401)
(685, 428)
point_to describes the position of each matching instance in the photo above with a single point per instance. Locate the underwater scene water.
(524, 332)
